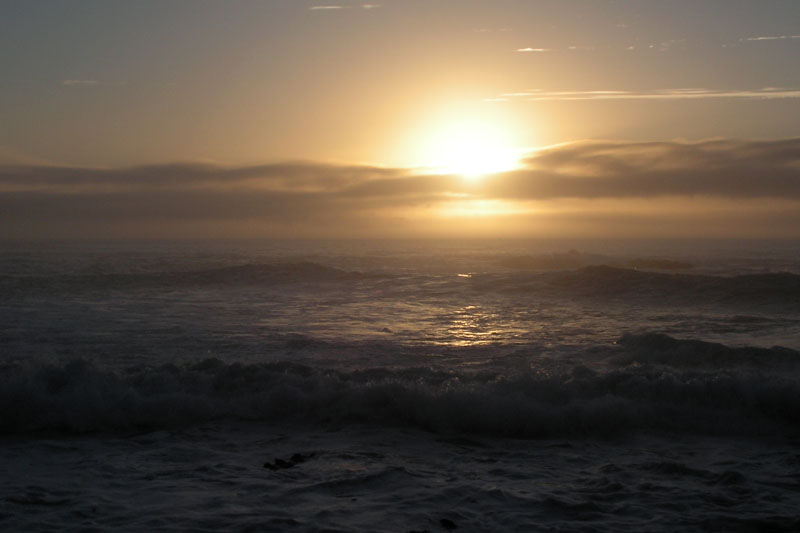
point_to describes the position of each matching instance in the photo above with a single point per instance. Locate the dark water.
(491, 386)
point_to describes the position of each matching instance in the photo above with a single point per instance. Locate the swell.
(660, 349)
(248, 274)
(613, 283)
(781, 289)
(627, 396)
(609, 281)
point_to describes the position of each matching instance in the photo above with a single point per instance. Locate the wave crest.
(80, 397)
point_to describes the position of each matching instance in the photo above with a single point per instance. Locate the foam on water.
(488, 386)
(652, 382)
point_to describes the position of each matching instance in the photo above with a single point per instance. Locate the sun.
(467, 139)
(471, 148)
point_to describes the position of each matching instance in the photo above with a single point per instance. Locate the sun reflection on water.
(472, 326)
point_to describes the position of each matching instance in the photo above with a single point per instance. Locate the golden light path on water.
(472, 326)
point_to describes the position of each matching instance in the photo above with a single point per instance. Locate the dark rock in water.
(282, 464)
(448, 524)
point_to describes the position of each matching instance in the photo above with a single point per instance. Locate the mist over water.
(498, 385)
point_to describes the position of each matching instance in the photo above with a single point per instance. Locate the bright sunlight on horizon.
(471, 149)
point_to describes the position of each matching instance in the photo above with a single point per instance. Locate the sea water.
(400, 386)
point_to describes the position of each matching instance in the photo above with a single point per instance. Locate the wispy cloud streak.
(771, 38)
(335, 7)
(79, 83)
(658, 94)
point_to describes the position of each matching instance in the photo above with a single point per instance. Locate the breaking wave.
(655, 383)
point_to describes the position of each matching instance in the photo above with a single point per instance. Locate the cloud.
(770, 38)
(589, 169)
(764, 93)
(315, 199)
(661, 47)
(338, 7)
(716, 168)
(667, 45)
(291, 176)
(79, 83)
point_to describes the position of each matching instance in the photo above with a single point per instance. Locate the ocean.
(400, 386)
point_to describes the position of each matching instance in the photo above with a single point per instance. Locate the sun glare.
(466, 139)
(472, 150)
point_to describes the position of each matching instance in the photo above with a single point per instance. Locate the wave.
(287, 272)
(597, 282)
(79, 396)
(574, 259)
(608, 282)
(248, 274)
(657, 348)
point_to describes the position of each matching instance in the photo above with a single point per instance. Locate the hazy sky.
(305, 118)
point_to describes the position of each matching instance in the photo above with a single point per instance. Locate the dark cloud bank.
(758, 181)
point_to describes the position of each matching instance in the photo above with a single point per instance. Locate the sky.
(399, 118)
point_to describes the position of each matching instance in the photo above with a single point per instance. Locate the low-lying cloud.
(718, 168)
(310, 199)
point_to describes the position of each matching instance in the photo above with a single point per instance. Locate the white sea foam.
(651, 382)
